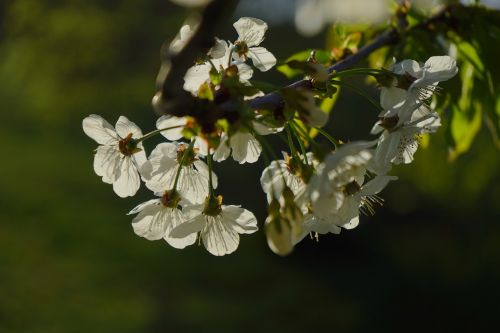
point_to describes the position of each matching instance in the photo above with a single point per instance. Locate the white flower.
(345, 165)
(219, 232)
(358, 196)
(157, 218)
(397, 144)
(160, 170)
(417, 82)
(243, 146)
(309, 112)
(199, 74)
(283, 173)
(167, 121)
(251, 33)
(119, 156)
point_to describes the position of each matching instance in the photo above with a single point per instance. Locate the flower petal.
(241, 220)
(244, 71)
(195, 77)
(143, 205)
(107, 163)
(167, 121)
(223, 150)
(203, 170)
(250, 30)
(188, 227)
(176, 218)
(376, 185)
(261, 58)
(97, 128)
(440, 68)
(246, 149)
(124, 127)
(219, 237)
(128, 181)
(151, 222)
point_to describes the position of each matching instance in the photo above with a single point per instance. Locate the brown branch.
(171, 98)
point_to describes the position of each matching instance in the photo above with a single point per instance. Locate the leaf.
(321, 56)
(466, 115)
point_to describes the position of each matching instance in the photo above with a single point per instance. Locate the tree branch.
(171, 98)
(273, 100)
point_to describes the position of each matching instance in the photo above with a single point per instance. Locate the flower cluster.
(308, 192)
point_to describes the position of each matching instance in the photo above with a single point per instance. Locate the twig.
(172, 99)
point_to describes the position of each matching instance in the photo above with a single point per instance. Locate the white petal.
(223, 150)
(189, 227)
(176, 218)
(192, 185)
(240, 219)
(407, 66)
(376, 185)
(97, 128)
(124, 127)
(159, 171)
(107, 163)
(151, 222)
(353, 223)
(440, 68)
(219, 49)
(261, 58)
(262, 129)
(392, 97)
(246, 149)
(128, 181)
(203, 170)
(171, 121)
(250, 30)
(245, 72)
(195, 77)
(143, 205)
(320, 225)
(219, 237)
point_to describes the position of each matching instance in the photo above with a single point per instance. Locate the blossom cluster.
(308, 192)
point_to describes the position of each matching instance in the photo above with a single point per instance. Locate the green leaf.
(321, 56)
(466, 115)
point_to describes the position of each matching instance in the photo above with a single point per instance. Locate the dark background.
(429, 260)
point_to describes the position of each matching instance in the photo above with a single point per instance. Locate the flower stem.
(359, 92)
(360, 71)
(290, 142)
(329, 137)
(302, 131)
(155, 132)
(210, 183)
(181, 163)
(301, 144)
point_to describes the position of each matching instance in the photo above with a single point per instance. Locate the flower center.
(389, 122)
(128, 146)
(351, 188)
(186, 156)
(241, 49)
(170, 199)
(405, 81)
(213, 206)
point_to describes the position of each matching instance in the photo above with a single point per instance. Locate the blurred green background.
(69, 261)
